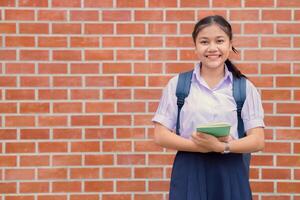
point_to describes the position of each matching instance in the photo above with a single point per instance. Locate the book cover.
(217, 129)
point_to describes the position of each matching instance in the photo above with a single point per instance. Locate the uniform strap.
(182, 91)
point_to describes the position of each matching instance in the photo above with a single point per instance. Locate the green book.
(217, 129)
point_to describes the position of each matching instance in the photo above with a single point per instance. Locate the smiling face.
(212, 46)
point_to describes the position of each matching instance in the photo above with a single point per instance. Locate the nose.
(212, 46)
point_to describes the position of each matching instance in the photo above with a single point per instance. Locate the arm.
(254, 141)
(166, 138)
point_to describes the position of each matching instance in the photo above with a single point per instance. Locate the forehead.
(212, 31)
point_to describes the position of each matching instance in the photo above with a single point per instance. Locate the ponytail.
(233, 69)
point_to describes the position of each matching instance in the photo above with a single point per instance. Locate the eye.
(203, 42)
(220, 41)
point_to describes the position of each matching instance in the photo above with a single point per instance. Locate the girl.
(206, 167)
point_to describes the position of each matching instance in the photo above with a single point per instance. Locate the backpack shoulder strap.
(182, 91)
(239, 95)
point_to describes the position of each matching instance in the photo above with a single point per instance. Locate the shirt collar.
(197, 75)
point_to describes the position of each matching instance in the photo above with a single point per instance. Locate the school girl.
(208, 167)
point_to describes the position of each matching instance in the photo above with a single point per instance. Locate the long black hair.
(226, 27)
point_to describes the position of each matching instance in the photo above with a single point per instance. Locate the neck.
(212, 74)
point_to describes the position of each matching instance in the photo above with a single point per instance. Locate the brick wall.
(80, 80)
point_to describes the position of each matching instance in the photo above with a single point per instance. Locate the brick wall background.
(80, 80)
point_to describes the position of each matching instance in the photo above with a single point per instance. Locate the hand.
(227, 139)
(208, 142)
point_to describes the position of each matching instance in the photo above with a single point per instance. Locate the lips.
(213, 56)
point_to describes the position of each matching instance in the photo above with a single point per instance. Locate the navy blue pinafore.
(209, 176)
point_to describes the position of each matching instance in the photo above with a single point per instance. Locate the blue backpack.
(239, 94)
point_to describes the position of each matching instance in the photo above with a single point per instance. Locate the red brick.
(98, 186)
(52, 41)
(288, 108)
(52, 121)
(288, 28)
(259, 55)
(20, 15)
(99, 55)
(20, 94)
(146, 146)
(276, 174)
(52, 15)
(262, 186)
(67, 81)
(29, 134)
(116, 120)
(53, 173)
(258, 28)
(158, 81)
(20, 148)
(87, 120)
(278, 68)
(72, 4)
(66, 160)
(227, 3)
(148, 172)
(278, 121)
(131, 159)
(147, 94)
(130, 4)
(287, 81)
(50, 147)
(142, 120)
(8, 81)
(8, 134)
(8, 108)
(67, 107)
(34, 55)
(148, 15)
(99, 133)
(19, 197)
(84, 196)
(117, 94)
(8, 28)
(276, 14)
(194, 3)
(130, 54)
(84, 68)
(290, 3)
(125, 81)
(99, 107)
(130, 186)
(7, 55)
(20, 41)
(67, 55)
(85, 147)
(85, 94)
(84, 42)
(159, 185)
(33, 3)
(116, 146)
(108, 15)
(98, 28)
(19, 121)
(34, 81)
(182, 15)
(52, 68)
(34, 28)
(162, 4)
(247, 15)
(19, 174)
(52, 197)
(74, 186)
(116, 197)
(165, 28)
(7, 188)
(71, 133)
(34, 161)
(52, 94)
(84, 173)
(148, 196)
(156, 159)
(116, 172)
(7, 3)
(34, 107)
(98, 4)
(115, 68)
(287, 55)
(288, 161)
(147, 68)
(261, 3)
(8, 161)
(276, 95)
(105, 81)
(131, 28)
(19, 68)
(99, 159)
(34, 187)
(116, 42)
(162, 55)
(288, 187)
(82, 15)
(131, 107)
(70, 28)
(148, 42)
(179, 42)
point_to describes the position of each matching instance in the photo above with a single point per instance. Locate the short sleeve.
(252, 111)
(166, 113)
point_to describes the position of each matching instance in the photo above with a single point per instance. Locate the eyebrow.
(208, 38)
